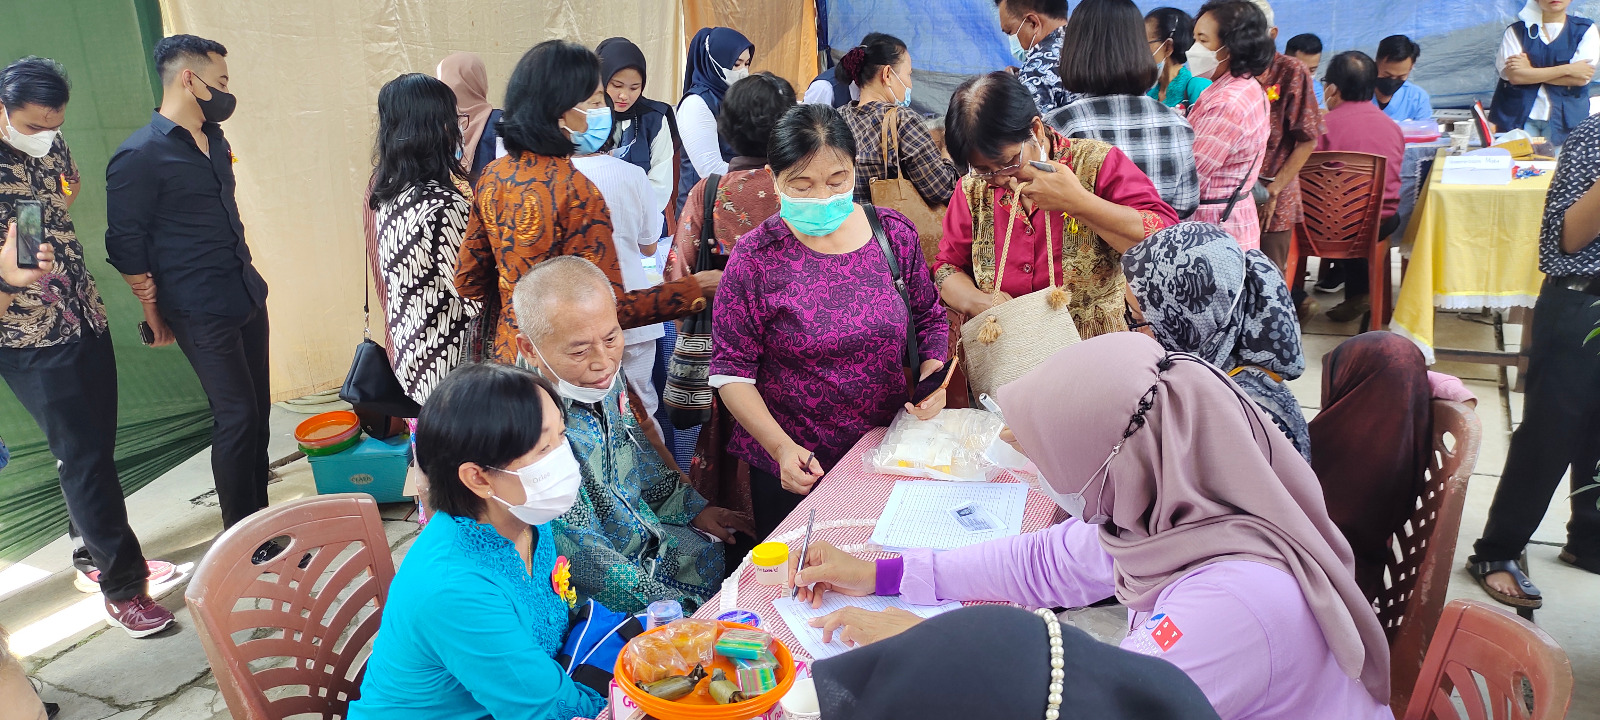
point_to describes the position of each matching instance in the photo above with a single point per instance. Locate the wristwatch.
(10, 289)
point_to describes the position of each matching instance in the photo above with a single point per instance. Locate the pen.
(803, 548)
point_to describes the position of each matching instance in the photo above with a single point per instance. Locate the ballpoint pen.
(803, 548)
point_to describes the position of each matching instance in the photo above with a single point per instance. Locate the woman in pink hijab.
(465, 74)
(1191, 507)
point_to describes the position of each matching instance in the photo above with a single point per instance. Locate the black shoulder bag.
(371, 387)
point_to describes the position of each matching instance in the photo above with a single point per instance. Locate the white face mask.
(578, 393)
(1202, 62)
(1076, 503)
(35, 146)
(737, 74)
(550, 484)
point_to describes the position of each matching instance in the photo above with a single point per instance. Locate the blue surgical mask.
(1017, 51)
(816, 216)
(904, 102)
(590, 141)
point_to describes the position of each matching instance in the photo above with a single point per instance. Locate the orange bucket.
(698, 705)
(329, 428)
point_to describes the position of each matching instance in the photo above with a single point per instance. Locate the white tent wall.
(307, 74)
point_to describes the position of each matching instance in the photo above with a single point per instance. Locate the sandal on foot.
(1481, 570)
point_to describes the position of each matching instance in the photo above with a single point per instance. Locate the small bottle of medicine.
(662, 612)
(771, 562)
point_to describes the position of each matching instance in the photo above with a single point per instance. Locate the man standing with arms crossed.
(173, 230)
(55, 346)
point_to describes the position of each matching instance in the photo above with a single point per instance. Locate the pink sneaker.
(140, 616)
(160, 571)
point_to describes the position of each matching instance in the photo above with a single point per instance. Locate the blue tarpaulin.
(953, 39)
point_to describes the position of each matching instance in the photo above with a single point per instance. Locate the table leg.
(1524, 317)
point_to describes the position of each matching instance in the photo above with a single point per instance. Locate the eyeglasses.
(1007, 170)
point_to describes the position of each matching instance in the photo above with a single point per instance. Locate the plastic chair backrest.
(291, 636)
(1342, 196)
(1416, 582)
(1485, 663)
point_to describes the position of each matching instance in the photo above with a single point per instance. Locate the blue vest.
(634, 143)
(841, 88)
(484, 153)
(1568, 105)
(687, 177)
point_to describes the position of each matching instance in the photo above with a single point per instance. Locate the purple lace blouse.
(822, 336)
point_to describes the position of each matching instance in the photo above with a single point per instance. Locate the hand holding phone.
(30, 233)
(934, 382)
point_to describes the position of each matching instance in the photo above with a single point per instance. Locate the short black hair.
(1355, 74)
(751, 110)
(804, 131)
(1244, 32)
(988, 113)
(34, 80)
(550, 79)
(876, 50)
(1175, 25)
(1398, 48)
(1303, 44)
(1049, 8)
(418, 136)
(1104, 52)
(172, 51)
(484, 413)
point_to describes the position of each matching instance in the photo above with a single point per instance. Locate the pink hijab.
(1207, 478)
(465, 74)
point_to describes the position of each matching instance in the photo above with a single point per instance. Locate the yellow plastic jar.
(771, 562)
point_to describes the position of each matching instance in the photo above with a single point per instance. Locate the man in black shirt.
(173, 230)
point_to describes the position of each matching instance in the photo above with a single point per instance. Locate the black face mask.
(1389, 85)
(219, 107)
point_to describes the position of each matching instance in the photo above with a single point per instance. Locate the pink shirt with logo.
(1241, 630)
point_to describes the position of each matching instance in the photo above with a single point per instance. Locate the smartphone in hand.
(30, 233)
(932, 383)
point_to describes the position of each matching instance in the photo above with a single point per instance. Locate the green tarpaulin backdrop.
(105, 46)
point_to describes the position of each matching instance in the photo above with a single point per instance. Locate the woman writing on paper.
(809, 331)
(1190, 507)
(1100, 205)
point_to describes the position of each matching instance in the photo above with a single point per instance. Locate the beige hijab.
(465, 74)
(1206, 478)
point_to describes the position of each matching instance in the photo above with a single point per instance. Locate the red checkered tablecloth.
(848, 501)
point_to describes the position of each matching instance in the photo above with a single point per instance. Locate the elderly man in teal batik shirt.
(631, 537)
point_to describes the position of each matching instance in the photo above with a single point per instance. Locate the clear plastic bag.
(695, 639)
(653, 657)
(951, 446)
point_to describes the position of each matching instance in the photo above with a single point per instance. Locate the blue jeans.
(1537, 128)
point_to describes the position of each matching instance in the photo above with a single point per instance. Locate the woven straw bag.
(1004, 342)
(898, 193)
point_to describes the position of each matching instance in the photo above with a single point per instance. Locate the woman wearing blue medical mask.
(810, 333)
(881, 67)
(476, 615)
(534, 204)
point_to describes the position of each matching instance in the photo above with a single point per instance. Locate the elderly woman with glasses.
(1082, 204)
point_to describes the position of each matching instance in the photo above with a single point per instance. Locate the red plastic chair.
(1418, 575)
(1342, 196)
(1484, 663)
(291, 636)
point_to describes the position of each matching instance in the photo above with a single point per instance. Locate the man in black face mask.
(173, 230)
(1399, 98)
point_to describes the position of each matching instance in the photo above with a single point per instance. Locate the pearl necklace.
(1052, 711)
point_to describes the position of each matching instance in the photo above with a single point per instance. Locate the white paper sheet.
(797, 614)
(918, 514)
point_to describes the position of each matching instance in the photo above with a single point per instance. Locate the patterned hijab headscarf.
(1203, 295)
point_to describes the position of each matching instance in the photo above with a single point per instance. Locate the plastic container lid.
(770, 553)
(327, 428)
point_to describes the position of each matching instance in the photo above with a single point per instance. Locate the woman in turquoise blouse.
(479, 608)
(1170, 32)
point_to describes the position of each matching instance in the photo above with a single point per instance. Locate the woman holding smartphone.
(809, 331)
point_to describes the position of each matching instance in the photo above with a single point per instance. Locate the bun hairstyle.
(877, 50)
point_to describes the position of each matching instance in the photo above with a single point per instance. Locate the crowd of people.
(1143, 167)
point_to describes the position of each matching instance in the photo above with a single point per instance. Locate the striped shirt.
(1230, 141)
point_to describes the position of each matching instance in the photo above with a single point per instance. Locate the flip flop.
(1480, 571)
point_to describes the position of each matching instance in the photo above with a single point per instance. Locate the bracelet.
(1052, 710)
(10, 289)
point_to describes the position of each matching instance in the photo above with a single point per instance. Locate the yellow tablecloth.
(1473, 246)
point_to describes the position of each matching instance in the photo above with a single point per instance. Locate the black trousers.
(770, 502)
(229, 354)
(71, 392)
(1560, 430)
(1356, 282)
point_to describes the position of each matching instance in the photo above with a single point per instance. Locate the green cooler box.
(375, 467)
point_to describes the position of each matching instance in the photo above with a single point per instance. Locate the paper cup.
(800, 703)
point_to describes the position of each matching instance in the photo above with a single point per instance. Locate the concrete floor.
(98, 673)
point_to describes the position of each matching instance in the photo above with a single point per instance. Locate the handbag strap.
(366, 290)
(708, 223)
(890, 126)
(913, 351)
(1005, 249)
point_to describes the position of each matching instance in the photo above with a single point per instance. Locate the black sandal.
(1481, 570)
(1567, 557)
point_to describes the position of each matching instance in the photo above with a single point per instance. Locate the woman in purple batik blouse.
(809, 332)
